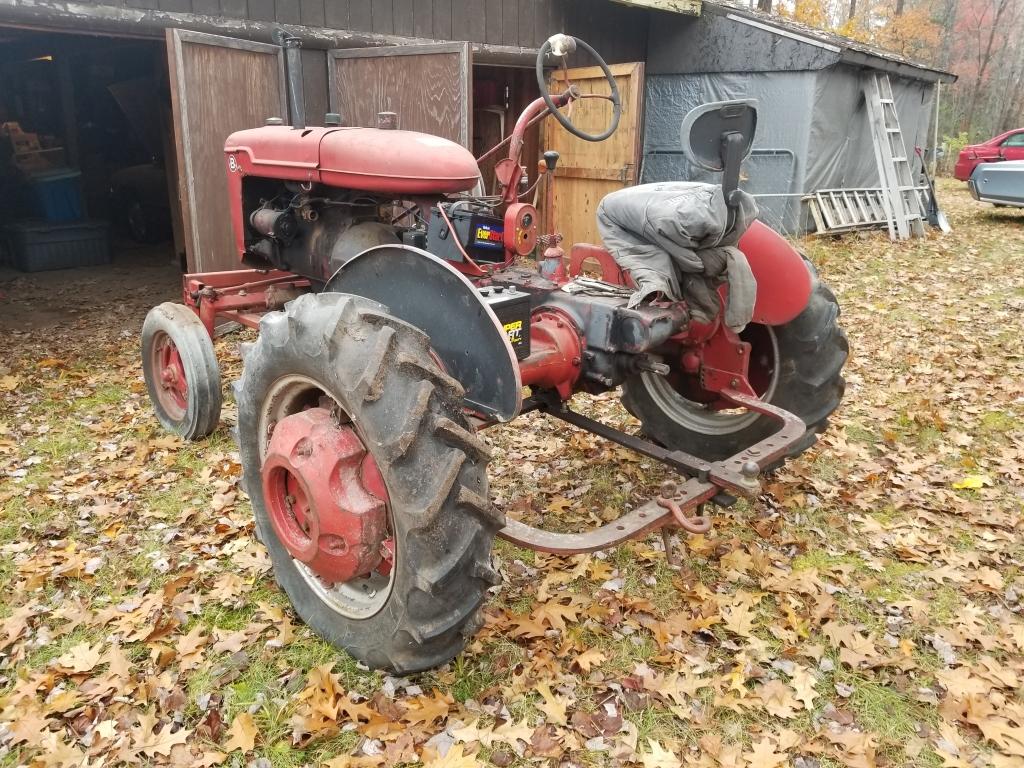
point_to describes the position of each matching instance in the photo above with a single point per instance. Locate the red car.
(1005, 146)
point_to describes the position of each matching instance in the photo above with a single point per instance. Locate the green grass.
(825, 562)
(107, 394)
(860, 434)
(1000, 422)
(40, 657)
(891, 715)
(661, 725)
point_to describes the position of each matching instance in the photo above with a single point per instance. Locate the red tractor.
(399, 313)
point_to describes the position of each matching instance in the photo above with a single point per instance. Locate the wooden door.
(218, 85)
(587, 170)
(427, 86)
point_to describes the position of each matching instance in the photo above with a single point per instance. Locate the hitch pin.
(700, 523)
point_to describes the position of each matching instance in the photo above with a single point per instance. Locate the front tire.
(379, 373)
(179, 364)
(806, 380)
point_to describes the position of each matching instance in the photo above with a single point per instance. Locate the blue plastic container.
(41, 245)
(58, 194)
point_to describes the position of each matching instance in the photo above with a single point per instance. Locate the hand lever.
(732, 158)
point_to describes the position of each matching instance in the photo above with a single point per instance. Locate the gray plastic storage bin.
(36, 246)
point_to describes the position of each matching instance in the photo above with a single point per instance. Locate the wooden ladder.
(900, 193)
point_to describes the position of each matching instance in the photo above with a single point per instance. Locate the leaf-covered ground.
(867, 610)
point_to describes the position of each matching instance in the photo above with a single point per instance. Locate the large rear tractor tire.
(179, 364)
(800, 369)
(376, 376)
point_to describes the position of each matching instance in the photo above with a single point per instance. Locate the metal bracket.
(706, 482)
(739, 473)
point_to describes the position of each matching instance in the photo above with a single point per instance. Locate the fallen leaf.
(658, 756)
(241, 734)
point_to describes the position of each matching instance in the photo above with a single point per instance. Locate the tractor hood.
(368, 159)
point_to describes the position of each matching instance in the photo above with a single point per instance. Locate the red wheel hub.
(171, 370)
(325, 496)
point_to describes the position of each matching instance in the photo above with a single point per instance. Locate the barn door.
(587, 171)
(218, 85)
(427, 86)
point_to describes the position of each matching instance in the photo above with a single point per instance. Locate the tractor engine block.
(314, 232)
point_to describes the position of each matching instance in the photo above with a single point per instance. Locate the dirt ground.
(87, 299)
(867, 610)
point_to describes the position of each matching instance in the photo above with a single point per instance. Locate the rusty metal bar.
(679, 460)
(739, 473)
(641, 520)
(736, 474)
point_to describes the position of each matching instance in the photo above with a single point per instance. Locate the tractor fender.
(784, 282)
(465, 334)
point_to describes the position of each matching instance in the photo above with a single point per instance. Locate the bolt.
(734, 383)
(576, 361)
(739, 351)
(750, 469)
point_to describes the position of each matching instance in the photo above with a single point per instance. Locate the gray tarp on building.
(812, 132)
(775, 164)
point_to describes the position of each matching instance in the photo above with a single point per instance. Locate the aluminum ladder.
(901, 194)
(842, 210)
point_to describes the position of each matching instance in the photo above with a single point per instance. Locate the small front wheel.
(181, 371)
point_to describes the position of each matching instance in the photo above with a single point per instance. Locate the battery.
(479, 234)
(513, 310)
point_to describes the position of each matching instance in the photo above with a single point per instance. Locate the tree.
(981, 41)
(982, 28)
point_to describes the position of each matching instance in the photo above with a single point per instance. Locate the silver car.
(998, 183)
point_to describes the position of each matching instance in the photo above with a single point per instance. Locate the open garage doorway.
(84, 196)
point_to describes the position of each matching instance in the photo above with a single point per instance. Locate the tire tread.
(433, 464)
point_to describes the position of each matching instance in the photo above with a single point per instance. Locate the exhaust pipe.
(293, 74)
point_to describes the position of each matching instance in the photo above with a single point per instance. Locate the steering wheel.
(563, 45)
